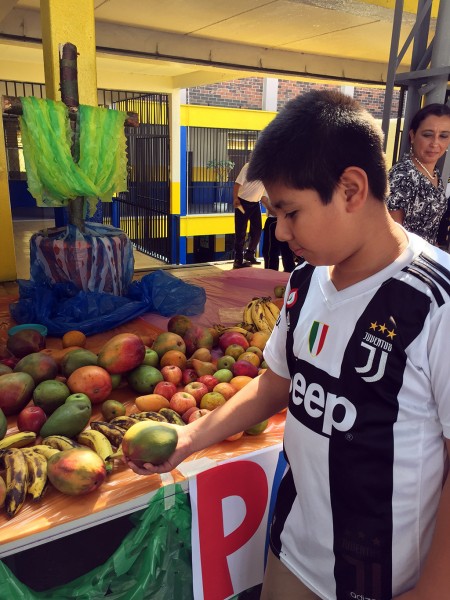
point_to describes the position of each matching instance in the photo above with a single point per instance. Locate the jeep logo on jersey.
(317, 336)
(292, 298)
(378, 352)
(336, 412)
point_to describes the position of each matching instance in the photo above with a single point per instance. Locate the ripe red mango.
(39, 365)
(16, 390)
(76, 471)
(121, 353)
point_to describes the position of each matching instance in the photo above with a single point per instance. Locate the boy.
(362, 511)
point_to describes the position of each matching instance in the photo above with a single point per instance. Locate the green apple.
(78, 397)
(151, 358)
(143, 379)
(223, 375)
(225, 362)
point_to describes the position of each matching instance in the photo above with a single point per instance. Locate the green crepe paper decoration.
(53, 176)
(152, 563)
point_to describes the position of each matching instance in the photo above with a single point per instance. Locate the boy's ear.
(355, 187)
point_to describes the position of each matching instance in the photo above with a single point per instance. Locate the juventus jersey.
(369, 409)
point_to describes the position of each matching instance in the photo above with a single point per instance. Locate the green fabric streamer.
(53, 176)
(152, 563)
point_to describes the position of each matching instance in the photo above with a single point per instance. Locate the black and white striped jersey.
(368, 413)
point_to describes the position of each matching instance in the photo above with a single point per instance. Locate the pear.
(202, 367)
(202, 354)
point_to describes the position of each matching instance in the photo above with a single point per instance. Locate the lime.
(258, 428)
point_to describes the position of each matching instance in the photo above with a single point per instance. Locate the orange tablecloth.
(124, 491)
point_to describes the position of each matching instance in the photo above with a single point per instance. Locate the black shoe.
(252, 260)
(240, 264)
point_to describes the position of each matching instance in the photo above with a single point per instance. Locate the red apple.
(10, 362)
(197, 389)
(209, 380)
(165, 388)
(31, 418)
(197, 414)
(233, 337)
(181, 401)
(172, 373)
(243, 367)
(185, 416)
(188, 376)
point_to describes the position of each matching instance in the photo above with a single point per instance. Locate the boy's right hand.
(181, 452)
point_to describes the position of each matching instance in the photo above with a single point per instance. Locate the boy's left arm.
(434, 581)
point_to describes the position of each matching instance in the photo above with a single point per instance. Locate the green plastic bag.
(53, 176)
(153, 561)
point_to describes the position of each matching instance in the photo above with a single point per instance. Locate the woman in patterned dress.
(417, 193)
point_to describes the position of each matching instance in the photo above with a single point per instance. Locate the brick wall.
(247, 93)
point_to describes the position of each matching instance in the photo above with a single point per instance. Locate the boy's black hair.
(314, 139)
(438, 110)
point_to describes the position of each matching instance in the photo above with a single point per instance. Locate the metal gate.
(144, 210)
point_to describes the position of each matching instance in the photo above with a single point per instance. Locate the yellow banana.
(98, 442)
(125, 421)
(18, 440)
(60, 442)
(247, 316)
(271, 312)
(258, 316)
(42, 449)
(16, 480)
(37, 474)
(112, 432)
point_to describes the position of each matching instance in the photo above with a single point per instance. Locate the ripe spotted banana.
(125, 421)
(37, 474)
(149, 415)
(98, 442)
(114, 433)
(271, 312)
(18, 440)
(247, 316)
(42, 449)
(60, 442)
(259, 317)
(15, 465)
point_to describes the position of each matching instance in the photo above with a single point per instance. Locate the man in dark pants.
(272, 248)
(246, 197)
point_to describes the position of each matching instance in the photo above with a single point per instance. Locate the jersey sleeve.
(438, 360)
(275, 350)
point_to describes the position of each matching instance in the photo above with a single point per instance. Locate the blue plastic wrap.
(61, 307)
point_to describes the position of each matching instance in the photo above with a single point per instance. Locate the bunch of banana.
(124, 421)
(262, 313)
(16, 478)
(114, 433)
(18, 440)
(97, 441)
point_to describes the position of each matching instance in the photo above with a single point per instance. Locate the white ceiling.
(167, 44)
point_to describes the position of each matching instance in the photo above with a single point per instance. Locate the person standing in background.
(246, 197)
(272, 248)
(417, 193)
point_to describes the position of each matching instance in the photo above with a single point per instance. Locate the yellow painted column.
(7, 255)
(73, 22)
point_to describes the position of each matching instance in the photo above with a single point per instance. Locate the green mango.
(69, 419)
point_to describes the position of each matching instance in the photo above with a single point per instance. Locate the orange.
(173, 357)
(74, 338)
(259, 339)
(239, 381)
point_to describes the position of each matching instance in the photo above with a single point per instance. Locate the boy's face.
(323, 234)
